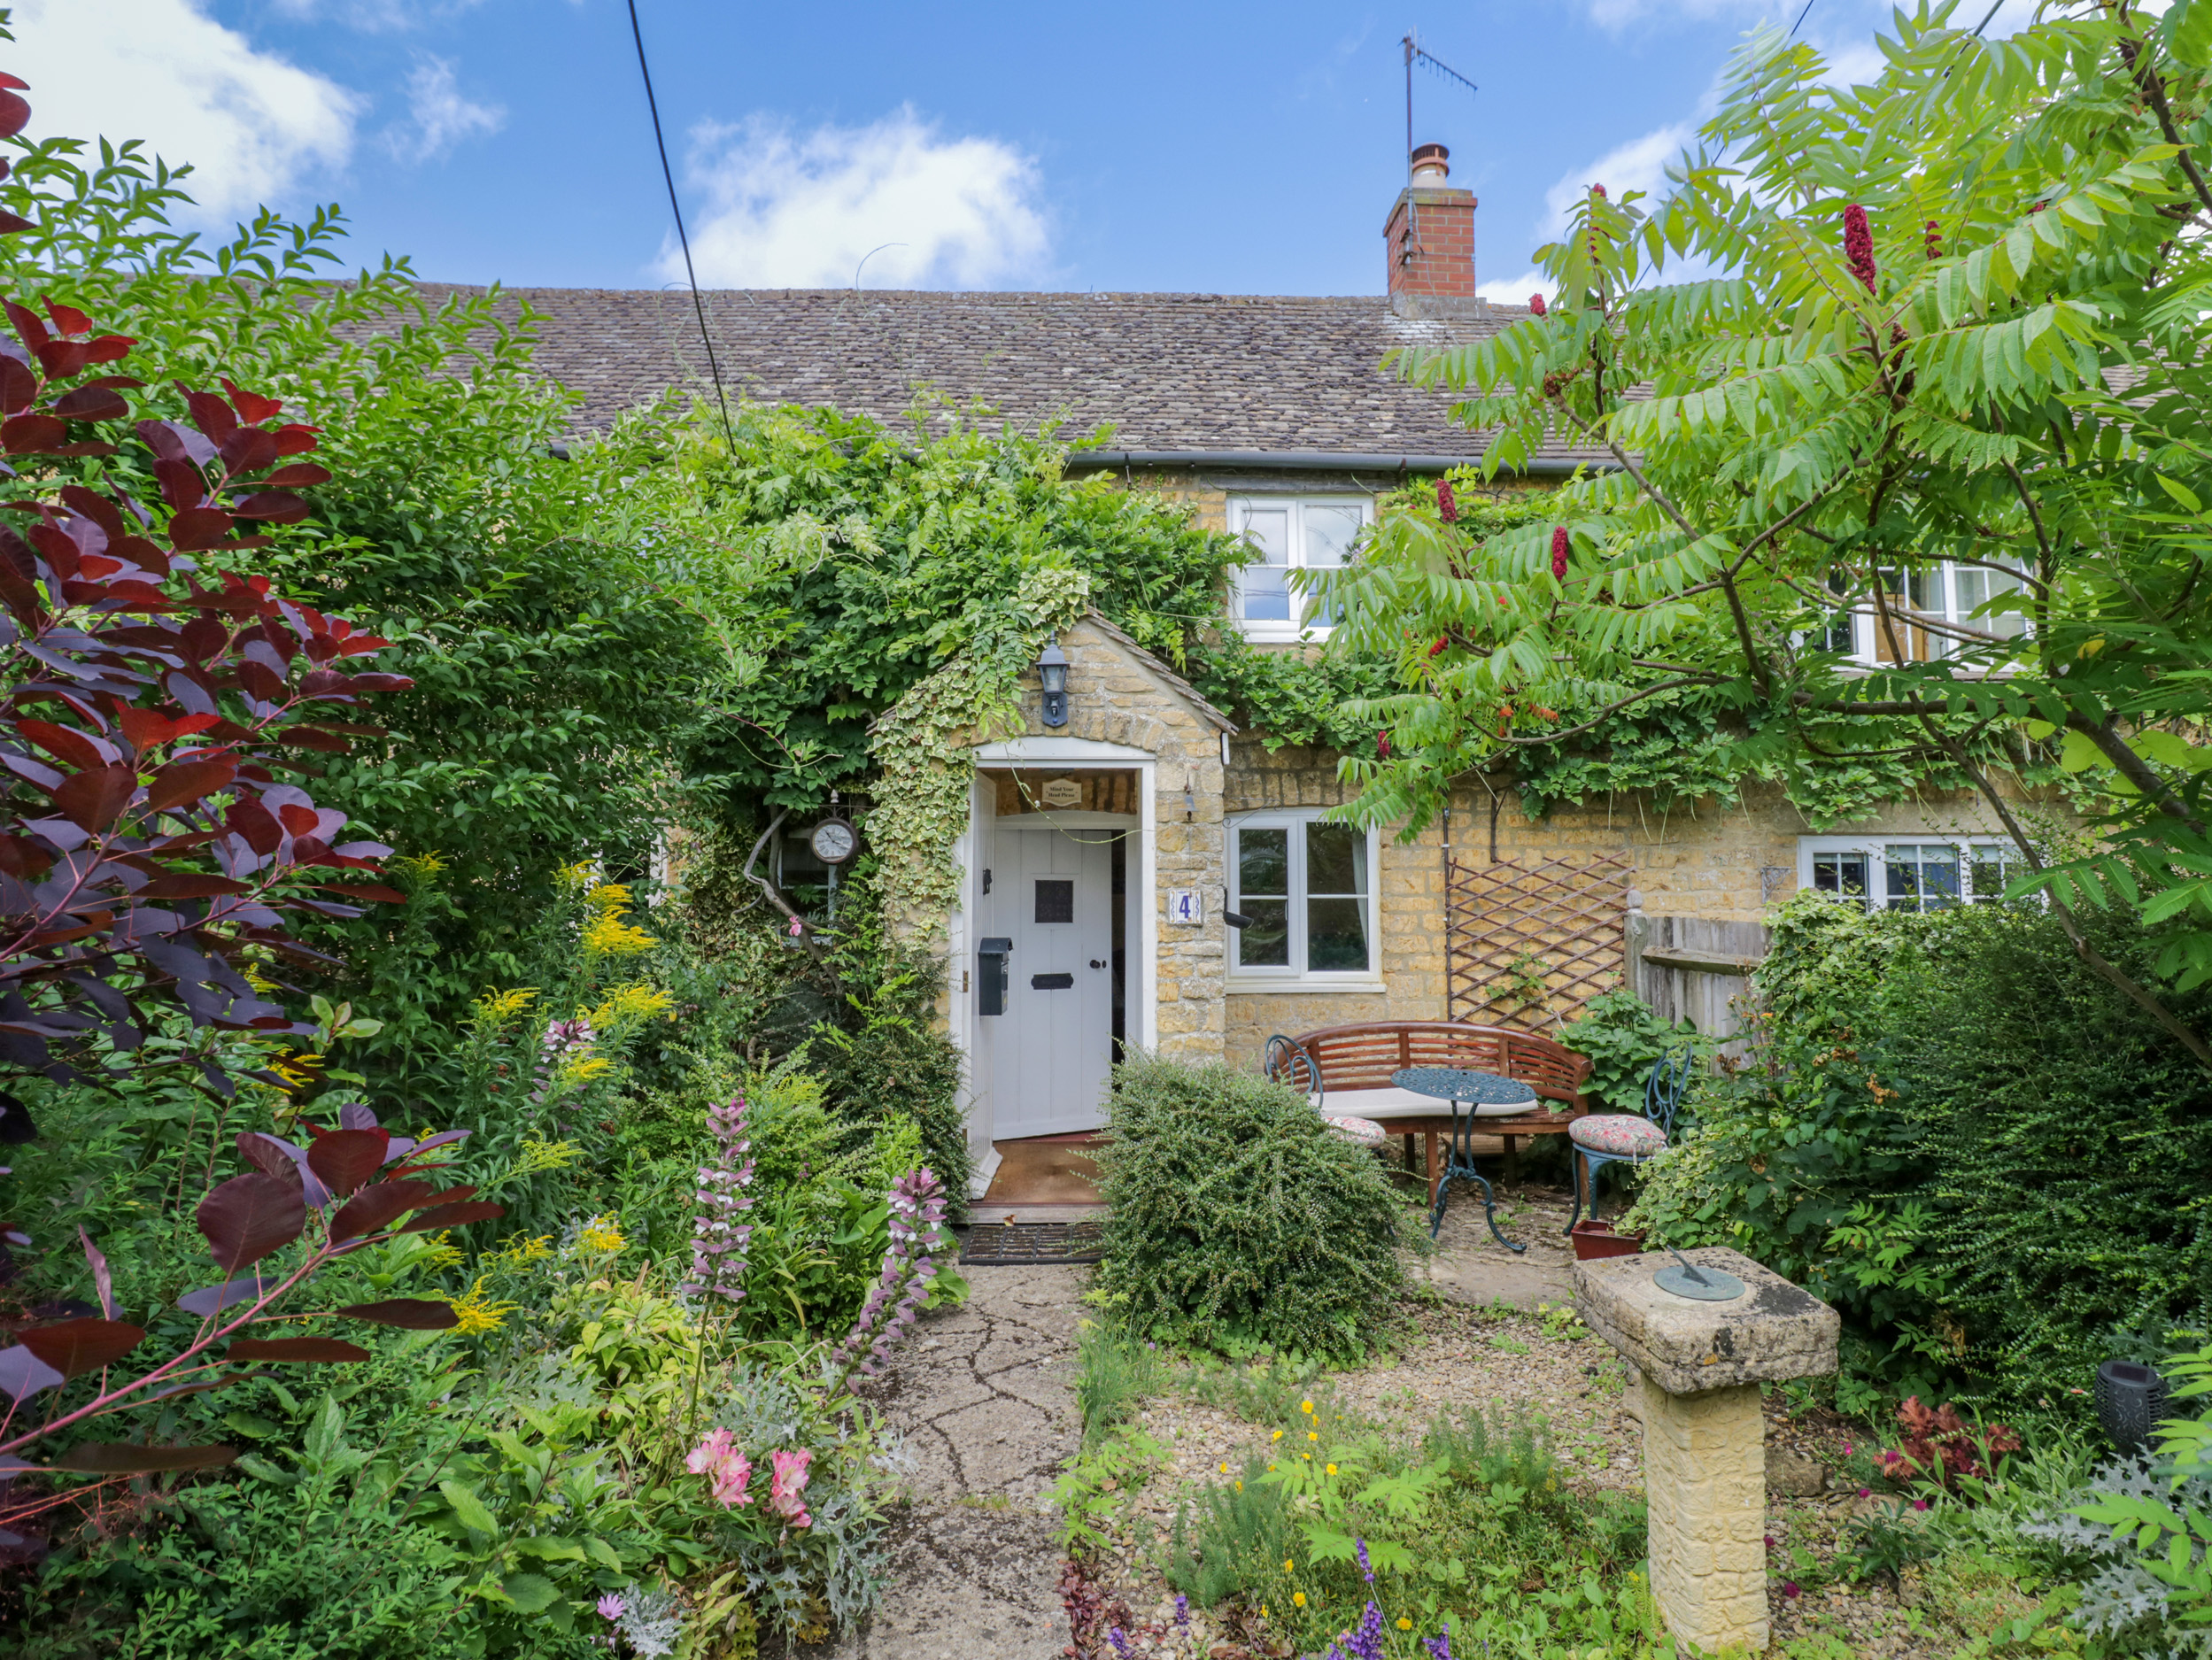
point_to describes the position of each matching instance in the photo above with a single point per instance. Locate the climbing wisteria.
(917, 1210)
(719, 1236)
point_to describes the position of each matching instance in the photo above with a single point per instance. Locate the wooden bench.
(1350, 1066)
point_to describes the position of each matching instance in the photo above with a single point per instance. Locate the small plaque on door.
(1051, 982)
(1061, 792)
(1056, 900)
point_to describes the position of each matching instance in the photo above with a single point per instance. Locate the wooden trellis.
(1528, 944)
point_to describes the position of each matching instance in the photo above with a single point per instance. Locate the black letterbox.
(991, 975)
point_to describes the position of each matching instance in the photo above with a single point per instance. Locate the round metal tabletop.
(1480, 1089)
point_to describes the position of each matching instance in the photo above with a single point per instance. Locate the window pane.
(1975, 588)
(1336, 858)
(1840, 873)
(1265, 596)
(1992, 868)
(1262, 862)
(1921, 878)
(1329, 533)
(1841, 634)
(1336, 935)
(1264, 942)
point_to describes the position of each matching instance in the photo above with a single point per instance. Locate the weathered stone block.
(1773, 1332)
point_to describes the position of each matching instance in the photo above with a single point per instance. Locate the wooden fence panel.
(1688, 966)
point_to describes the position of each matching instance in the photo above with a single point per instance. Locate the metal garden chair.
(1603, 1138)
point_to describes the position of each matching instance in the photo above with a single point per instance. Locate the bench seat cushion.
(1392, 1102)
(1362, 1131)
(1623, 1135)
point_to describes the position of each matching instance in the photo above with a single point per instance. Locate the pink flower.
(612, 1607)
(1858, 244)
(718, 1459)
(1536, 304)
(786, 1493)
(1558, 551)
(1598, 190)
(1789, 1588)
(797, 928)
(1920, 1504)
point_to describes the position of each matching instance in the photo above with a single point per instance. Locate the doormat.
(992, 1244)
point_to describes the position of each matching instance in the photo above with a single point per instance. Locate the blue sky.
(1216, 147)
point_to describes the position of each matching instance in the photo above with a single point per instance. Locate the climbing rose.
(787, 1490)
(1559, 552)
(1536, 304)
(1858, 244)
(1447, 506)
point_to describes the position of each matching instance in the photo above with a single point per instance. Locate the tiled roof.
(1196, 373)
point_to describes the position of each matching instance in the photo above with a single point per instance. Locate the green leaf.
(548, 1549)
(468, 1509)
(533, 1593)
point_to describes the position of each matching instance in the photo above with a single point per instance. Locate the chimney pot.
(1430, 235)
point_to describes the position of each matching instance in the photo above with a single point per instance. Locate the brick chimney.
(1429, 238)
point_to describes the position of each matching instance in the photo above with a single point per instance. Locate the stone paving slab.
(985, 1394)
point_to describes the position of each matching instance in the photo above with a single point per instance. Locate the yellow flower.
(1240, 1486)
(1313, 1435)
(1262, 1611)
(629, 1004)
(606, 935)
(1306, 1407)
(1270, 1466)
(1307, 1456)
(520, 1249)
(478, 1312)
(418, 865)
(1278, 1435)
(1404, 1623)
(582, 875)
(1224, 1468)
(582, 1069)
(1299, 1597)
(496, 1008)
(600, 1233)
(1286, 1567)
(1332, 1469)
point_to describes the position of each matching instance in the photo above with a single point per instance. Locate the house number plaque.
(1184, 906)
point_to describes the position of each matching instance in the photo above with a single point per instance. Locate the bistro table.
(1485, 1095)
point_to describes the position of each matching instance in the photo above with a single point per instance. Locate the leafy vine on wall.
(925, 743)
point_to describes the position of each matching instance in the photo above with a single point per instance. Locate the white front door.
(1051, 1052)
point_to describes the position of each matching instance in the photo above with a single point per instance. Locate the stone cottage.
(1107, 856)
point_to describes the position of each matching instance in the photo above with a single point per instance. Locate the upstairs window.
(1945, 594)
(1287, 534)
(1909, 873)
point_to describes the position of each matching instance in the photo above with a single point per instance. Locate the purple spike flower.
(1439, 1647)
(918, 1212)
(1182, 1610)
(1120, 1642)
(718, 1238)
(1366, 1567)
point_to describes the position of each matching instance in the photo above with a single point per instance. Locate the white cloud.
(252, 125)
(376, 17)
(438, 116)
(788, 210)
(1516, 291)
(1638, 165)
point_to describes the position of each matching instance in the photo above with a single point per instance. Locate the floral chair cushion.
(1624, 1135)
(1361, 1132)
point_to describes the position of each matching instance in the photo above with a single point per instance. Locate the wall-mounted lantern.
(1052, 669)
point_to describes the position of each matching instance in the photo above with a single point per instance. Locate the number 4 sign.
(1183, 906)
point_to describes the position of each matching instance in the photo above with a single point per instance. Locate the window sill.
(1283, 633)
(1236, 987)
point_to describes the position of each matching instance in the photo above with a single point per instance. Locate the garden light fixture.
(1052, 671)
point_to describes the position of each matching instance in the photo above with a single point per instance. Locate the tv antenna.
(1415, 53)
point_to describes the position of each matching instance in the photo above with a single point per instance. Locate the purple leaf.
(249, 1216)
(214, 1299)
(23, 1373)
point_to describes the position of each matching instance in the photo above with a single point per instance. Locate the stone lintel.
(1773, 1332)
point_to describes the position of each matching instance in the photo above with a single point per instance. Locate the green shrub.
(1622, 1038)
(1961, 1137)
(1236, 1215)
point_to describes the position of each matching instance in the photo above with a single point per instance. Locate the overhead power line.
(683, 239)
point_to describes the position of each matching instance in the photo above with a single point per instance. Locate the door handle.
(1095, 964)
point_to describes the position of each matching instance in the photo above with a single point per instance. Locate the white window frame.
(1295, 976)
(1874, 848)
(1239, 511)
(1866, 622)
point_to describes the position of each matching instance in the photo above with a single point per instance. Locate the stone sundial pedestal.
(1701, 1353)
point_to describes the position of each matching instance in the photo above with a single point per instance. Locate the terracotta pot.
(1596, 1240)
